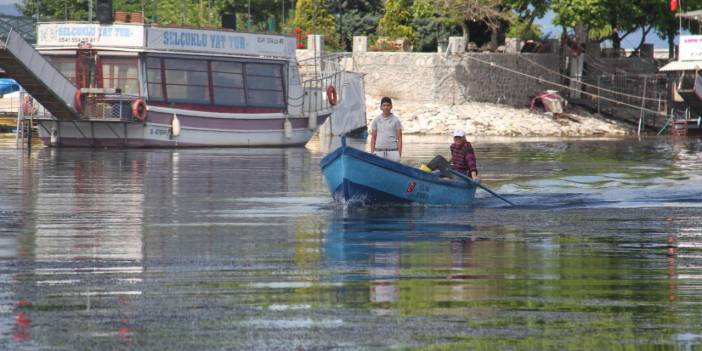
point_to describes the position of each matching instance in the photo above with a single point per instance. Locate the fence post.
(19, 140)
(641, 116)
(598, 94)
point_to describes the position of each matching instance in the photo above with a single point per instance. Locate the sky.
(7, 7)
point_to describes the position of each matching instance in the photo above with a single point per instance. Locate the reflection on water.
(244, 249)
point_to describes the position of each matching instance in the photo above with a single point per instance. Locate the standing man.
(386, 133)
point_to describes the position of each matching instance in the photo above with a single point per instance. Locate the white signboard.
(72, 34)
(690, 48)
(220, 42)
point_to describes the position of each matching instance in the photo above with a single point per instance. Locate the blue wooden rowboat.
(354, 175)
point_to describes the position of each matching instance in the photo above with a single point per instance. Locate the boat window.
(228, 67)
(153, 79)
(66, 65)
(228, 83)
(265, 70)
(121, 73)
(249, 84)
(264, 85)
(186, 81)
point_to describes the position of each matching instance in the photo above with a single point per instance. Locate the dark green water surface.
(243, 249)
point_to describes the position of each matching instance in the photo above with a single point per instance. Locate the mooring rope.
(588, 84)
(540, 79)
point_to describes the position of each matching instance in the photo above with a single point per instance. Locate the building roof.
(691, 15)
(681, 66)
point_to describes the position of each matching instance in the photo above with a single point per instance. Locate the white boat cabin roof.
(689, 55)
(147, 38)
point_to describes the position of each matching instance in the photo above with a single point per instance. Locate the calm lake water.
(243, 249)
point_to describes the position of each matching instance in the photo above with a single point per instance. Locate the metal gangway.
(38, 77)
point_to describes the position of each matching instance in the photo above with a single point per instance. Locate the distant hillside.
(9, 9)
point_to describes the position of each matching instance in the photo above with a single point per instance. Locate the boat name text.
(215, 41)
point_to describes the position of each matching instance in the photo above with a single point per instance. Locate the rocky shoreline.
(484, 119)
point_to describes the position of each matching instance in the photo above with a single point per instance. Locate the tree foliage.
(313, 17)
(462, 12)
(524, 30)
(422, 21)
(397, 19)
(525, 12)
(189, 12)
(614, 19)
(488, 11)
(355, 17)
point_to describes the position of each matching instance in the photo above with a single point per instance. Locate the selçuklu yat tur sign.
(163, 38)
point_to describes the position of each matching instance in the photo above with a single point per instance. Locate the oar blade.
(470, 180)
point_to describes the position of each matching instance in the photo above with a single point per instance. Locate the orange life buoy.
(331, 95)
(139, 109)
(78, 101)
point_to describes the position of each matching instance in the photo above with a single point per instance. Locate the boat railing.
(322, 83)
(316, 96)
(108, 107)
(325, 65)
(27, 107)
(95, 107)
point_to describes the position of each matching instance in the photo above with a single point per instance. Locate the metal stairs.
(679, 127)
(38, 77)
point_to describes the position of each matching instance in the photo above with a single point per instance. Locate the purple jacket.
(463, 158)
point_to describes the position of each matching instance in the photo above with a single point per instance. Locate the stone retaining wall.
(455, 79)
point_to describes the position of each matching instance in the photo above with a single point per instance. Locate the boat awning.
(691, 15)
(681, 66)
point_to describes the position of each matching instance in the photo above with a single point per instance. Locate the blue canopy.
(8, 86)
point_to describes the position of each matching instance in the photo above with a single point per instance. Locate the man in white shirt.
(386, 133)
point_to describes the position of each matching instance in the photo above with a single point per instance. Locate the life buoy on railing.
(331, 95)
(78, 101)
(139, 109)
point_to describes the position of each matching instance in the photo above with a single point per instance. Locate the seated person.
(462, 158)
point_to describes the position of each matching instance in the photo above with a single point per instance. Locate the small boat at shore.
(356, 176)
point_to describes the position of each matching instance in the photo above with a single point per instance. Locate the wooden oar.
(470, 180)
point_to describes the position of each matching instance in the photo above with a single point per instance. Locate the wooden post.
(643, 101)
(598, 94)
(29, 136)
(19, 129)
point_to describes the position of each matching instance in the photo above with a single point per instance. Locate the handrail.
(319, 75)
(315, 92)
(7, 39)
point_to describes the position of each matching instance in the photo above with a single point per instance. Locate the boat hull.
(194, 132)
(352, 175)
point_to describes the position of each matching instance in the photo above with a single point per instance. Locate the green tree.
(259, 12)
(355, 17)
(604, 19)
(189, 12)
(462, 12)
(524, 30)
(667, 25)
(355, 22)
(53, 10)
(526, 12)
(396, 21)
(312, 17)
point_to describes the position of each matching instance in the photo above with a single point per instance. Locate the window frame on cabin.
(261, 84)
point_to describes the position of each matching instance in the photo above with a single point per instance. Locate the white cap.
(459, 133)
